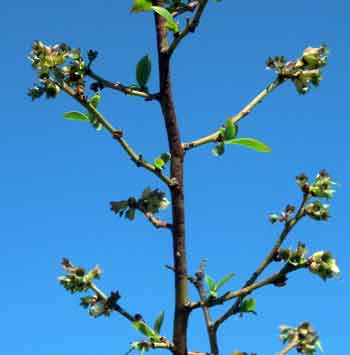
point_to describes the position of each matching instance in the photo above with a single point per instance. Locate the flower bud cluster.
(324, 265)
(77, 280)
(293, 257)
(322, 187)
(304, 71)
(56, 65)
(98, 307)
(305, 337)
(151, 201)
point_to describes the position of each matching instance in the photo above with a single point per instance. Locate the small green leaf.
(75, 116)
(211, 283)
(95, 100)
(144, 329)
(230, 131)
(143, 71)
(250, 143)
(158, 322)
(159, 163)
(170, 22)
(248, 306)
(319, 345)
(219, 149)
(130, 214)
(225, 279)
(141, 5)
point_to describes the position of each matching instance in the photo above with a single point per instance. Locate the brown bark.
(177, 189)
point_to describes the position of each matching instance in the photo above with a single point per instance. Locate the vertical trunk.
(177, 191)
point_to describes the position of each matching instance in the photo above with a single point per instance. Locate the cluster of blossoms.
(320, 263)
(323, 264)
(322, 187)
(304, 71)
(54, 65)
(77, 280)
(304, 337)
(57, 65)
(151, 201)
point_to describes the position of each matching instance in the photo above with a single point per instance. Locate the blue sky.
(58, 177)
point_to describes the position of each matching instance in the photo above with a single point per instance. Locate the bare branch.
(190, 27)
(191, 6)
(155, 221)
(212, 332)
(289, 225)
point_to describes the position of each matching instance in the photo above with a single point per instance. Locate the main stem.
(177, 189)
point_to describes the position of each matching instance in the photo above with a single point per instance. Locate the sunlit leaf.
(158, 322)
(250, 143)
(76, 116)
(170, 22)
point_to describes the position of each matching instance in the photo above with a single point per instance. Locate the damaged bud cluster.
(151, 201)
(304, 337)
(77, 280)
(305, 71)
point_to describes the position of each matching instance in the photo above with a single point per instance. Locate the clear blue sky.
(57, 176)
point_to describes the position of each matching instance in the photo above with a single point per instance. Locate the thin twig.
(191, 6)
(117, 134)
(212, 332)
(289, 225)
(234, 119)
(289, 347)
(122, 88)
(241, 293)
(155, 221)
(190, 27)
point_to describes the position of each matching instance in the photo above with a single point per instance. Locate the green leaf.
(75, 116)
(219, 149)
(95, 100)
(141, 5)
(130, 214)
(230, 131)
(211, 283)
(250, 143)
(144, 329)
(225, 279)
(160, 161)
(319, 345)
(158, 322)
(170, 22)
(143, 71)
(248, 306)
